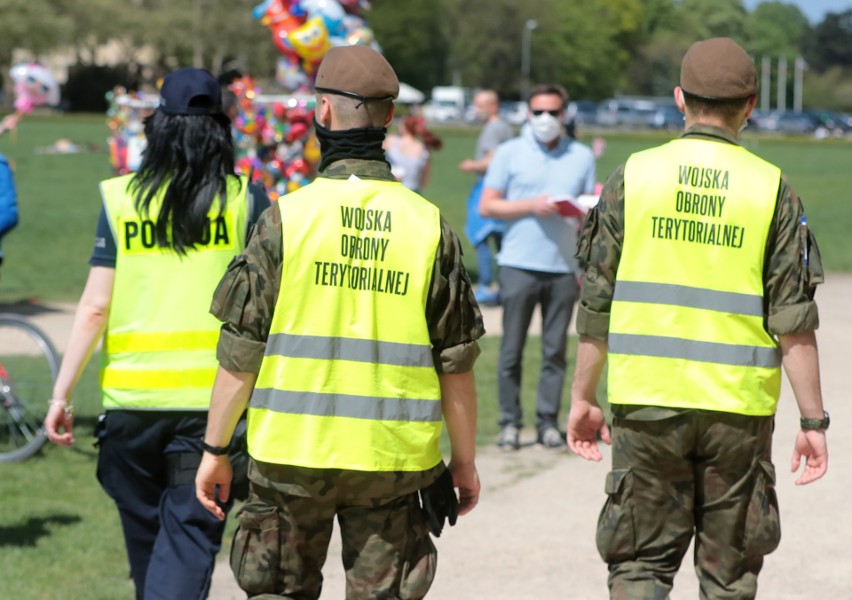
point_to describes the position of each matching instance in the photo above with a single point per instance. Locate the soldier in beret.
(699, 286)
(349, 331)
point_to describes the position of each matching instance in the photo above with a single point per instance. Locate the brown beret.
(357, 71)
(718, 69)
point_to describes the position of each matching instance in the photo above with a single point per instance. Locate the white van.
(447, 104)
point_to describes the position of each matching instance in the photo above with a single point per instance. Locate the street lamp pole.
(525, 57)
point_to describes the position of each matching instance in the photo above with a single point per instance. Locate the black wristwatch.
(812, 424)
(217, 450)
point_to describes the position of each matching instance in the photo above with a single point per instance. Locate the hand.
(541, 206)
(467, 165)
(584, 422)
(466, 479)
(9, 122)
(59, 424)
(812, 446)
(213, 471)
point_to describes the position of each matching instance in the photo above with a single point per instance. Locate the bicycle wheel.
(28, 367)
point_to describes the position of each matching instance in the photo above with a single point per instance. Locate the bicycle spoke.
(28, 366)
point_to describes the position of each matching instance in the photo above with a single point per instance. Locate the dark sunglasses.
(539, 112)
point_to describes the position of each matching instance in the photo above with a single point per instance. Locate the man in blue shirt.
(8, 196)
(536, 260)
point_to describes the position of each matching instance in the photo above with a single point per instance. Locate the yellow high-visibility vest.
(347, 380)
(159, 349)
(687, 321)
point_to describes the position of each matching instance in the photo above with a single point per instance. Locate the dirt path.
(532, 535)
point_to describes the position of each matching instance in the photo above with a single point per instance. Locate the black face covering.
(364, 143)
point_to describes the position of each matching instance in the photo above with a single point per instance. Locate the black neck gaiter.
(364, 143)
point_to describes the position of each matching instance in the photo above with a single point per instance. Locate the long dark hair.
(194, 156)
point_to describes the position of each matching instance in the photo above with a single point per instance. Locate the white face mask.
(545, 127)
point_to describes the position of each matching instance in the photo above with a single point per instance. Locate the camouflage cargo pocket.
(616, 535)
(256, 551)
(763, 525)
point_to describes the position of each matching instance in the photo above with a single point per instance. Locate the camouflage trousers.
(285, 526)
(700, 473)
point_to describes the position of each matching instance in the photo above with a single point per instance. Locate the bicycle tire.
(24, 413)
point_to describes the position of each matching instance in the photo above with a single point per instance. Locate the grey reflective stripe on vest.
(711, 352)
(344, 405)
(338, 348)
(680, 295)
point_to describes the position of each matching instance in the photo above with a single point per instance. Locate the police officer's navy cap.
(357, 72)
(718, 69)
(190, 91)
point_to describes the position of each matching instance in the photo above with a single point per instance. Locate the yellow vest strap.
(157, 378)
(709, 352)
(340, 348)
(346, 405)
(161, 341)
(689, 297)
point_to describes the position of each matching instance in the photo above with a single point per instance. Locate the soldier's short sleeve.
(598, 252)
(793, 268)
(452, 314)
(245, 298)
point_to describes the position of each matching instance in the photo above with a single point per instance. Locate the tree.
(656, 68)
(201, 33)
(777, 29)
(591, 45)
(411, 38)
(484, 41)
(830, 45)
(91, 24)
(702, 19)
(30, 25)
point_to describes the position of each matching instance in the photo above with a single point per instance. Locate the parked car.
(831, 122)
(625, 112)
(758, 120)
(789, 122)
(582, 112)
(667, 117)
(515, 113)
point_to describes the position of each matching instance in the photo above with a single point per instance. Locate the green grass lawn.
(59, 199)
(59, 533)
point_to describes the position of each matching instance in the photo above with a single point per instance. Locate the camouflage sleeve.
(793, 268)
(245, 298)
(454, 318)
(598, 251)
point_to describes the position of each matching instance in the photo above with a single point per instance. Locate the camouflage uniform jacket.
(245, 298)
(789, 284)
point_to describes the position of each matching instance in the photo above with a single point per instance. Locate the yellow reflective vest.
(159, 349)
(687, 321)
(347, 380)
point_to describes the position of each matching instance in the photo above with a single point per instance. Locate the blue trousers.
(485, 257)
(171, 539)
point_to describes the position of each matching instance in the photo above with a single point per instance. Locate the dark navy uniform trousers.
(147, 464)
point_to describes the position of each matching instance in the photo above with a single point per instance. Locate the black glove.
(440, 502)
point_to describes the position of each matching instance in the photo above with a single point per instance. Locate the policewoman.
(699, 288)
(349, 331)
(165, 236)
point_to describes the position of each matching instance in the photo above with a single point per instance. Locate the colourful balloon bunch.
(126, 112)
(273, 134)
(273, 139)
(304, 30)
(35, 86)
